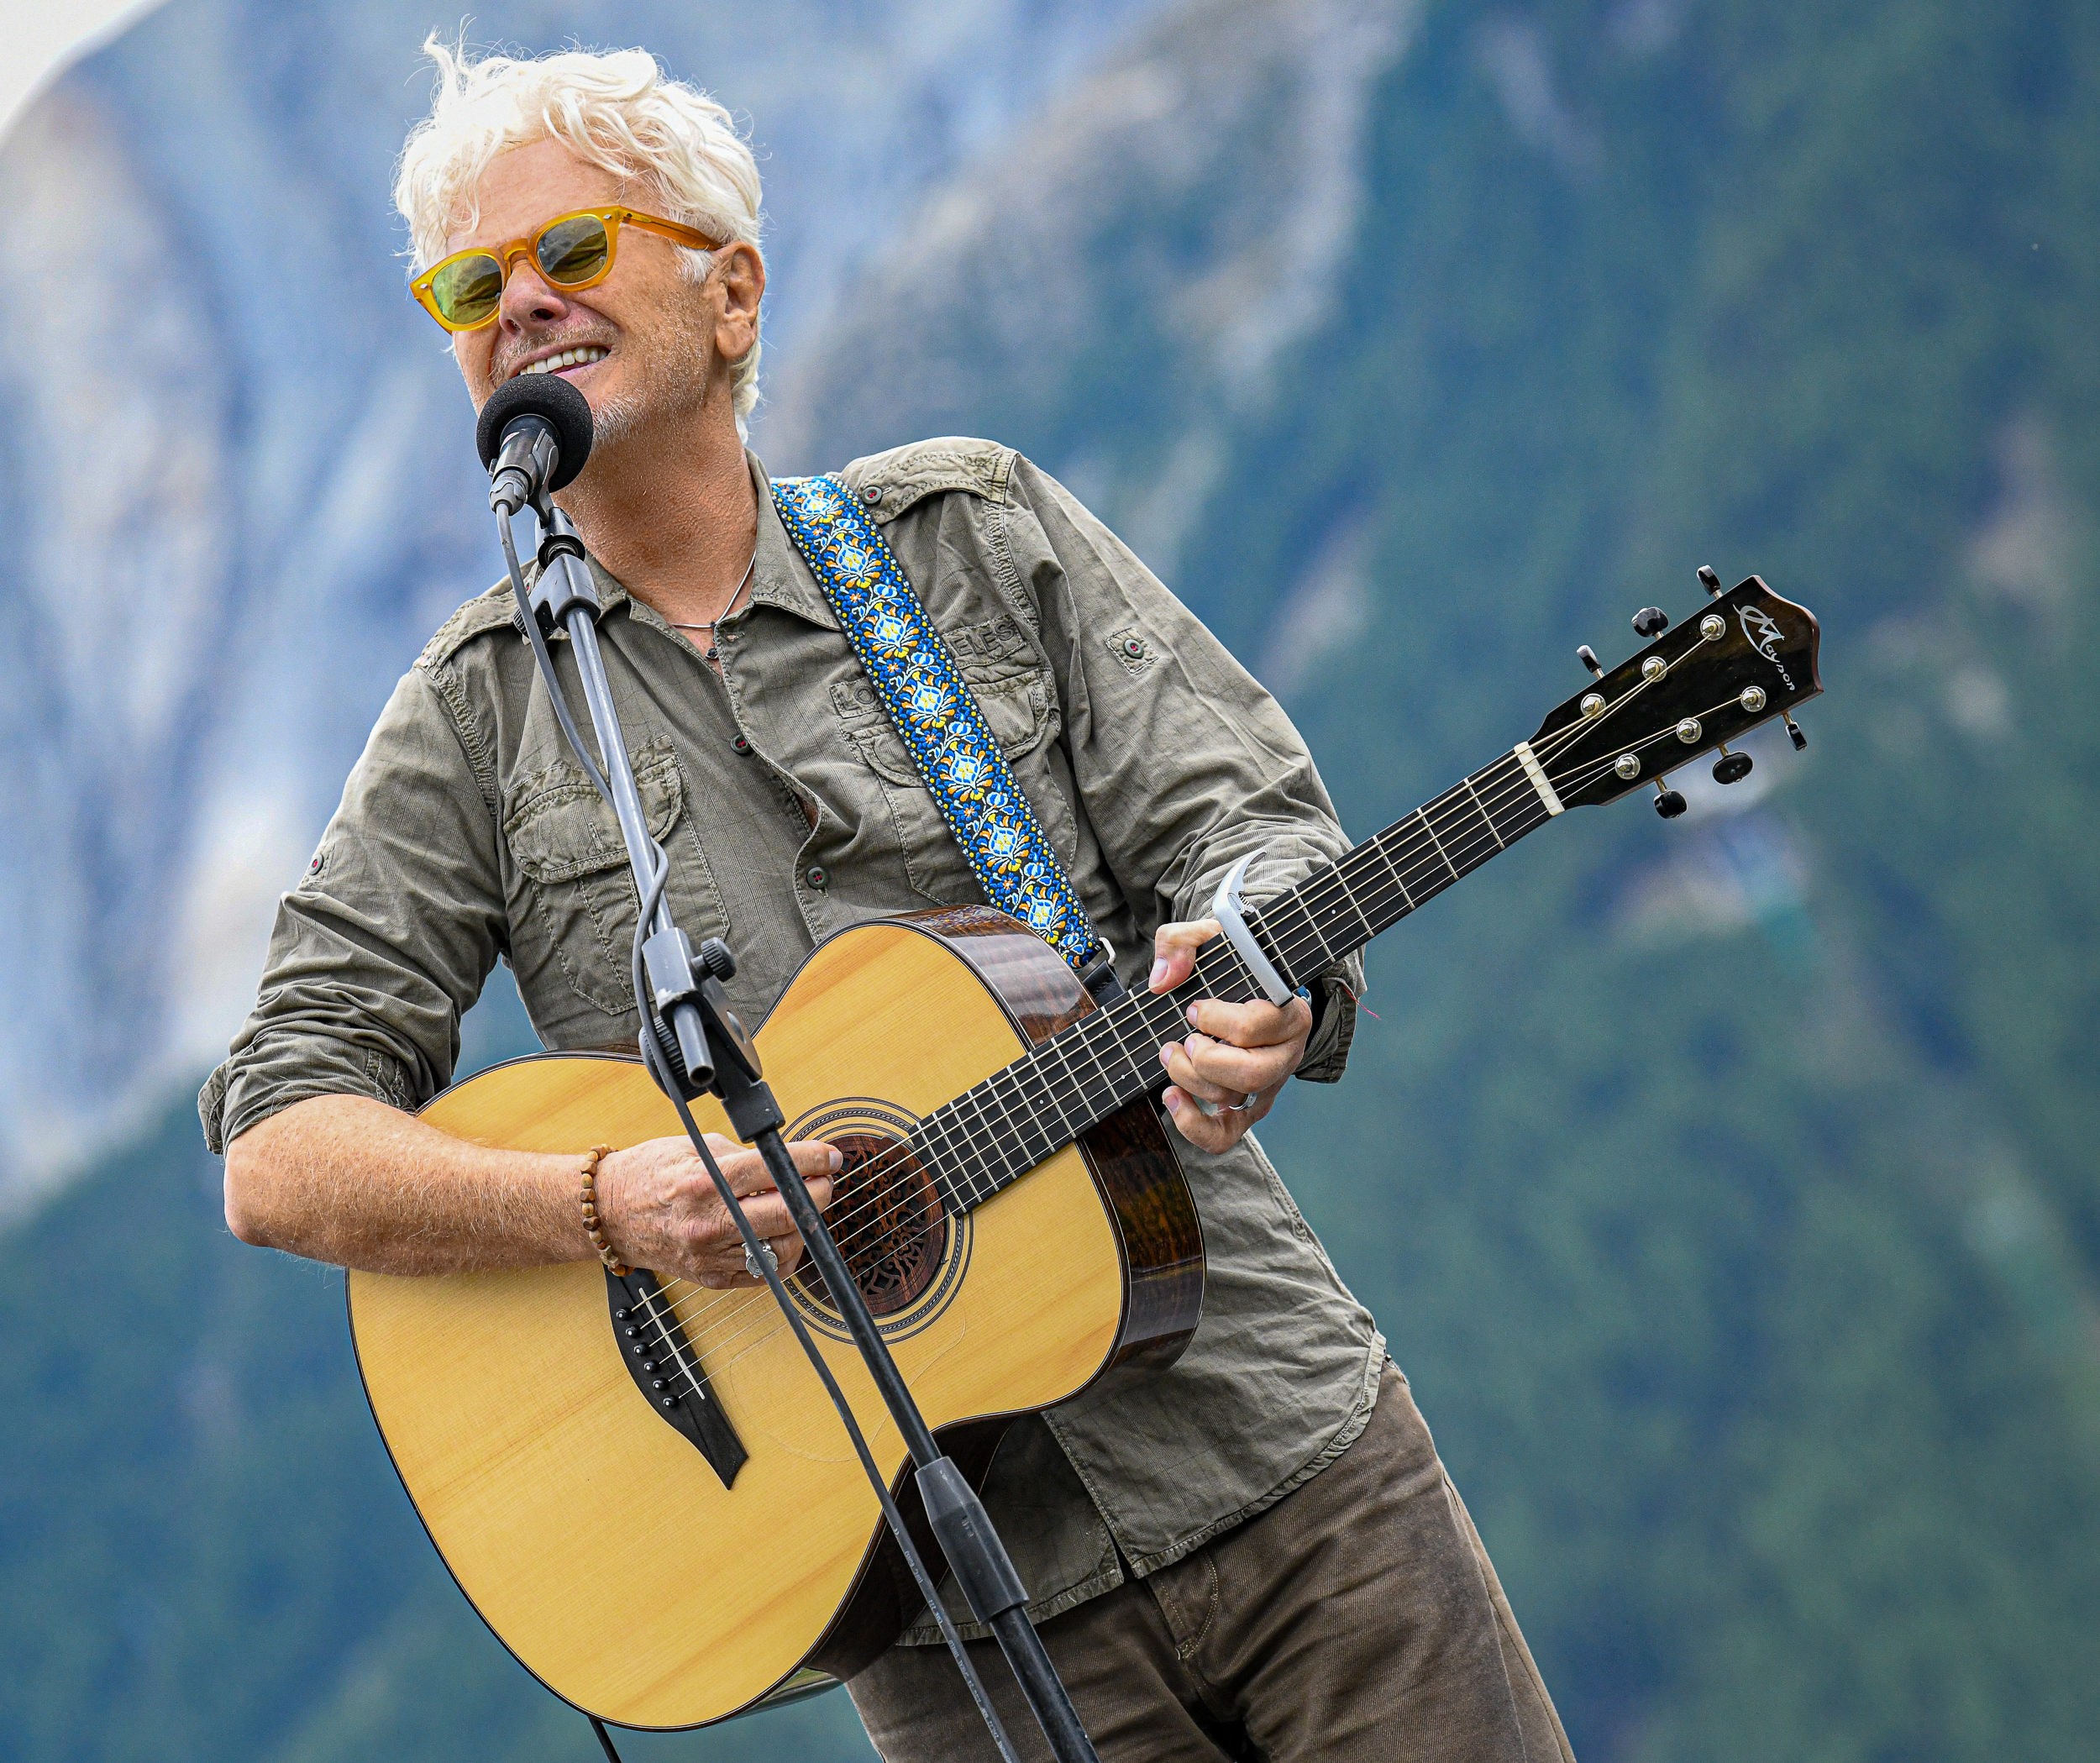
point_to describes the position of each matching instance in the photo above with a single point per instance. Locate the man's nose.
(529, 299)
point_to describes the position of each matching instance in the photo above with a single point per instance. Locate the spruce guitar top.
(640, 1487)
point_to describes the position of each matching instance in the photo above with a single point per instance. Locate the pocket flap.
(1016, 711)
(564, 828)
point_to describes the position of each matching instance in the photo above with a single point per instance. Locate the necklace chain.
(743, 581)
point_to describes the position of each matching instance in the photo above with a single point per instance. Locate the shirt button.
(872, 493)
(741, 744)
(817, 878)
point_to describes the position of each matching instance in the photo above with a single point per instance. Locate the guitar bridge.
(668, 1372)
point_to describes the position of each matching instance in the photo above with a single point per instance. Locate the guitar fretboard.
(996, 1133)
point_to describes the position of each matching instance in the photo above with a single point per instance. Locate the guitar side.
(594, 1539)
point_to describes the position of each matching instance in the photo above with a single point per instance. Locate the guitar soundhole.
(887, 1218)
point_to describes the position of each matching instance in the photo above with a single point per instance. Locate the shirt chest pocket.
(1019, 706)
(575, 925)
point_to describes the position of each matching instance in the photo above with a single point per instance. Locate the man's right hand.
(660, 1211)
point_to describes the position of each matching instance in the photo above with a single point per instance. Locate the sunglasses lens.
(466, 289)
(572, 251)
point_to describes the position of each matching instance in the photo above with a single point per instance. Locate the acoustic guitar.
(640, 1486)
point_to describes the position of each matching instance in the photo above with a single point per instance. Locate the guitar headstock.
(1748, 656)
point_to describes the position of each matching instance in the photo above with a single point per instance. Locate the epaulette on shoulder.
(904, 475)
(480, 615)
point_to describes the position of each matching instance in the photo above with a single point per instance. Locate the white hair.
(619, 111)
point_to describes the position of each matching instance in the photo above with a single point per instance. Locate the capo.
(1227, 908)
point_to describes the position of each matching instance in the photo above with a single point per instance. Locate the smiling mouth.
(567, 358)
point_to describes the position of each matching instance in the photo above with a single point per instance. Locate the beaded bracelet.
(618, 1268)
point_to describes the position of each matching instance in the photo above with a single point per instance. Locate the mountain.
(238, 471)
(1725, 1185)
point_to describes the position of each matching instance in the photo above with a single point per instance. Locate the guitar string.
(709, 1339)
(1331, 880)
(931, 1150)
(720, 1342)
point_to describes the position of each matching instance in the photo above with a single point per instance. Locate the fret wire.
(1111, 1030)
(1297, 958)
(1385, 857)
(1389, 899)
(1132, 1019)
(1512, 789)
(994, 1159)
(1047, 1107)
(1053, 1057)
(992, 1132)
(1348, 895)
(919, 1147)
(1479, 807)
(956, 1154)
(1107, 1024)
(1021, 1118)
(983, 1137)
(1485, 815)
(1077, 1076)
(1431, 830)
(1099, 1090)
(1459, 809)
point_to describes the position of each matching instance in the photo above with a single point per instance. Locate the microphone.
(534, 435)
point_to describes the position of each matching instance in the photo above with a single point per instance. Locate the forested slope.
(1725, 1187)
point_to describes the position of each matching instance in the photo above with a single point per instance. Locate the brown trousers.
(1357, 1618)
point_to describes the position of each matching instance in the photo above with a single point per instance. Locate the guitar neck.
(996, 1133)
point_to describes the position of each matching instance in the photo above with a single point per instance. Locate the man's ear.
(740, 274)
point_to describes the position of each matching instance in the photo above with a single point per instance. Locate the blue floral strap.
(910, 665)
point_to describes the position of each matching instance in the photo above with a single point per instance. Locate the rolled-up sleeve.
(1183, 760)
(385, 944)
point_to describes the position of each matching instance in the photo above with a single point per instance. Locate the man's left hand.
(1227, 1073)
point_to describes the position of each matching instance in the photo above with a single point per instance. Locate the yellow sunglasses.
(571, 252)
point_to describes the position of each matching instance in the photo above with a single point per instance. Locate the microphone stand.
(693, 1044)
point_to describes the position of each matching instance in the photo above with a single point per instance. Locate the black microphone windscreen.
(567, 411)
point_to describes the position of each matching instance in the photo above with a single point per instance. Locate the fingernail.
(1159, 973)
(1166, 1054)
(1192, 1016)
(1172, 1099)
(838, 1159)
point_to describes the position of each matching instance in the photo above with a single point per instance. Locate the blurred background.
(1727, 1187)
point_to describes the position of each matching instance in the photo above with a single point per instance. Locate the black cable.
(757, 1255)
(546, 660)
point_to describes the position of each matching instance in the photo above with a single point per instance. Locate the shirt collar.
(780, 577)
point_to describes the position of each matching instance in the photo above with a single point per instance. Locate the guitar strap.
(914, 674)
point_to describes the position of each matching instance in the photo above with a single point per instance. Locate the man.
(1255, 1553)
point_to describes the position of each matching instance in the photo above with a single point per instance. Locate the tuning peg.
(1793, 728)
(1668, 803)
(1709, 580)
(1651, 621)
(1588, 656)
(1732, 768)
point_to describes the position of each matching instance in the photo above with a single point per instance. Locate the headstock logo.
(1763, 633)
(1765, 637)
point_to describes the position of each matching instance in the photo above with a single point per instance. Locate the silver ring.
(1242, 1107)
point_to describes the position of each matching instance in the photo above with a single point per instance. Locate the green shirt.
(790, 809)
